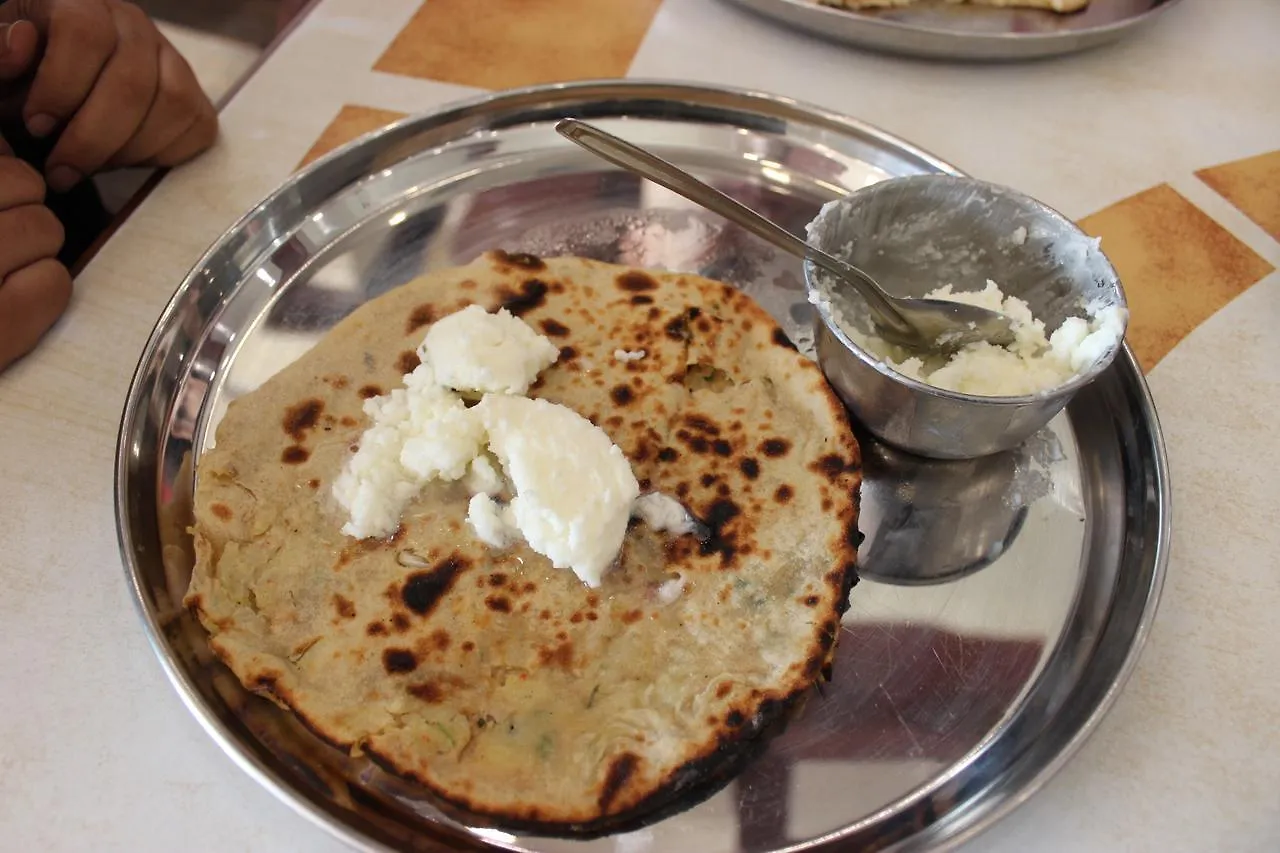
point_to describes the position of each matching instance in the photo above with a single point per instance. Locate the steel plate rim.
(155, 634)
(793, 109)
(1008, 46)
(460, 107)
(1101, 30)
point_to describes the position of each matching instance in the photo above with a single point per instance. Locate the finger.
(19, 47)
(19, 50)
(19, 184)
(115, 108)
(197, 138)
(31, 232)
(179, 103)
(80, 38)
(31, 300)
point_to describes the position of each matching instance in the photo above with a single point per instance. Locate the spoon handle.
(621, 153)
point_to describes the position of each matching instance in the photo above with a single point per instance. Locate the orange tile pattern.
(1253, 185)
(498, 44)
(350, 122)
(1178, 266)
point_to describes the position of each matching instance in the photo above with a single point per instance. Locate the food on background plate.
(1062, 6)
(471, 643)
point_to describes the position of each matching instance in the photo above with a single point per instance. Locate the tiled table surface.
(1166, 145)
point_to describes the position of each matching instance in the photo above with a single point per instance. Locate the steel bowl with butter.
(918, 233)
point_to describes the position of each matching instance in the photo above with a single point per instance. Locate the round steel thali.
(945, 29)
(1003, 602)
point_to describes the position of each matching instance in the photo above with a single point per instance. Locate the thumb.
(20, 44)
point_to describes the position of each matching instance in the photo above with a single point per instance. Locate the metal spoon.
(932, 324)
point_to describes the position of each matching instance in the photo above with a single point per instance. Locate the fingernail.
(63, 178)
(41, 125)
(7, 41)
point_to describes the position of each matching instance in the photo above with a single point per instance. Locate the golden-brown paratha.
(506, 686)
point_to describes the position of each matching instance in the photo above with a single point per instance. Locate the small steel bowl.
(918, 233)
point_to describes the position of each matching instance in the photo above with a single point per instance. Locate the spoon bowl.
(924, 324)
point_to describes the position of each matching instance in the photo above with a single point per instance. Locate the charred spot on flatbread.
(517, 260)
(531, 293)
(407, 362)
(636, 281)
(301, 418)
(423, 590)
(399, 661)
(421, 315)
(345, 607)
(553, 328)
(780, 338)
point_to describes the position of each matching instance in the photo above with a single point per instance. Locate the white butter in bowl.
(916, 235)
(1033, 363)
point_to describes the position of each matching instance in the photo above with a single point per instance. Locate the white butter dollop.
(493, 523)
(483, 478)
(473, 350)
(669, 590)
(574, 488)
(625, 356)
(663, 512)
(420, 432)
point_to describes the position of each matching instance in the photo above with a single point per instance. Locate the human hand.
(34, 287)
(100, 75)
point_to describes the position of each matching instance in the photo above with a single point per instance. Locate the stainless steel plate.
(1004, 600)
(943, 30)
